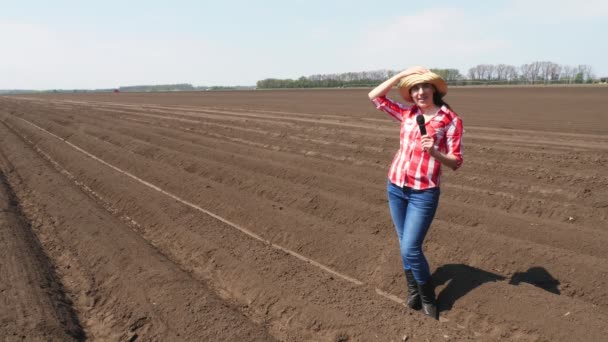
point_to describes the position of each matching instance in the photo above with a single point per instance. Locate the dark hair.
(438, 99)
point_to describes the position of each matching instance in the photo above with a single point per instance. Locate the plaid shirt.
(412, 167)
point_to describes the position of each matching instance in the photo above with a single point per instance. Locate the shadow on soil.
(463, 279)
(537, 276)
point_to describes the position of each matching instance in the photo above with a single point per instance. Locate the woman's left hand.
(428, 143)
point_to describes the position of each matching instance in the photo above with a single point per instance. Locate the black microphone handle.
(420, 121)
(422, 129)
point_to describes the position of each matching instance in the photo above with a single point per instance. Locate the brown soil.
(262, 215)
(34, 306)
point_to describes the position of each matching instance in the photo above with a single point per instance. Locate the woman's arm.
(448, 160)
(453, 157)
(386, 86)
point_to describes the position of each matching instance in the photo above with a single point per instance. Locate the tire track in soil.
(204, 211)
(123, 288)
(34, 304)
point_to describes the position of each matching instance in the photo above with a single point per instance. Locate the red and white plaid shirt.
(412, 167)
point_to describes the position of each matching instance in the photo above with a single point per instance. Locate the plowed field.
(262, 215)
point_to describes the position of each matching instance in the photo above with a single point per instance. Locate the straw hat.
(428, 77)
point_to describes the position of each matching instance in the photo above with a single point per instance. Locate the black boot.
(413, 296)
(427, 295)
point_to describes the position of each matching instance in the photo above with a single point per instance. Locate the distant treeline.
(543, 72)
(533, 73)
(178, 87)
(159, 87)
(137, 88)
(17, 91)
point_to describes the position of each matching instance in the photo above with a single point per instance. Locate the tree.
(450, 75)
(531, 72)
(568, 73)
(587, 71)
(511, 74)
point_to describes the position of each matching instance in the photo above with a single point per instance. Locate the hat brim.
(409, 81)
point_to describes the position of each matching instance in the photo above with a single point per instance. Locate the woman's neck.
(429, 111)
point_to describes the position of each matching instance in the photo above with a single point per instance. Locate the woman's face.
(422, 94)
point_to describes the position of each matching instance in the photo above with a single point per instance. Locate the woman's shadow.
(463, 279)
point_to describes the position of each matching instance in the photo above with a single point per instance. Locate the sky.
(107, 44)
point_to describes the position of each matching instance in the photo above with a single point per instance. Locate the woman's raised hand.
(386, 86)
(414, 70)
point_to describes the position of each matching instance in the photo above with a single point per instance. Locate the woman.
(415, 173)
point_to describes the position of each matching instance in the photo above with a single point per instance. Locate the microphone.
(420, 121)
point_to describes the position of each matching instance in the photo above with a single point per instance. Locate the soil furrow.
(123, 288)
(35, 306)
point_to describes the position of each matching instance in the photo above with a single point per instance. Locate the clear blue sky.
(105, 44)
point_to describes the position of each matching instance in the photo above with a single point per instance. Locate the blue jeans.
(412, 212)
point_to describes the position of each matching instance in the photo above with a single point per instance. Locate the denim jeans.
(412, 212)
